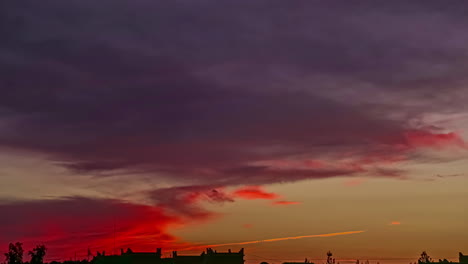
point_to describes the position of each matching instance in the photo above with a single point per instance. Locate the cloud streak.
(281, 239)
(285, 203)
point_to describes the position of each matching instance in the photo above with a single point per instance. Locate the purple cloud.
(208, 91)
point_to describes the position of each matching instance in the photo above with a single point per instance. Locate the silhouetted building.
(129, 257)
(208, 257)
(213, 257)
(305, 261)
(462, 258)
(330, 260)
(297, 262)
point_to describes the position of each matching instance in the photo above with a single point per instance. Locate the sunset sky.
(256, 124)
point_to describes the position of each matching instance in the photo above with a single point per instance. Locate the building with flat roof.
(462, 258)
(209, 257)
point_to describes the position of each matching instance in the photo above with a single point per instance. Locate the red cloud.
(285, 202)
(420, 138)
(395, 223)
(254, 192)
(247, 225)
(73, 225)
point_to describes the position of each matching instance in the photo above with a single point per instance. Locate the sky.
(185, 124)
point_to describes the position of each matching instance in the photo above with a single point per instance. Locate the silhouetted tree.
(330, 260)
(264, 262)
(38, 254)
(424, 258)
(15, 253)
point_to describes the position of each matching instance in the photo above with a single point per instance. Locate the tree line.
(36, 256)
(15, 254)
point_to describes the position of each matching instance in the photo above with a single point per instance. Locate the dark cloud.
(218, 93)
(187, 201)
(202, 91)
